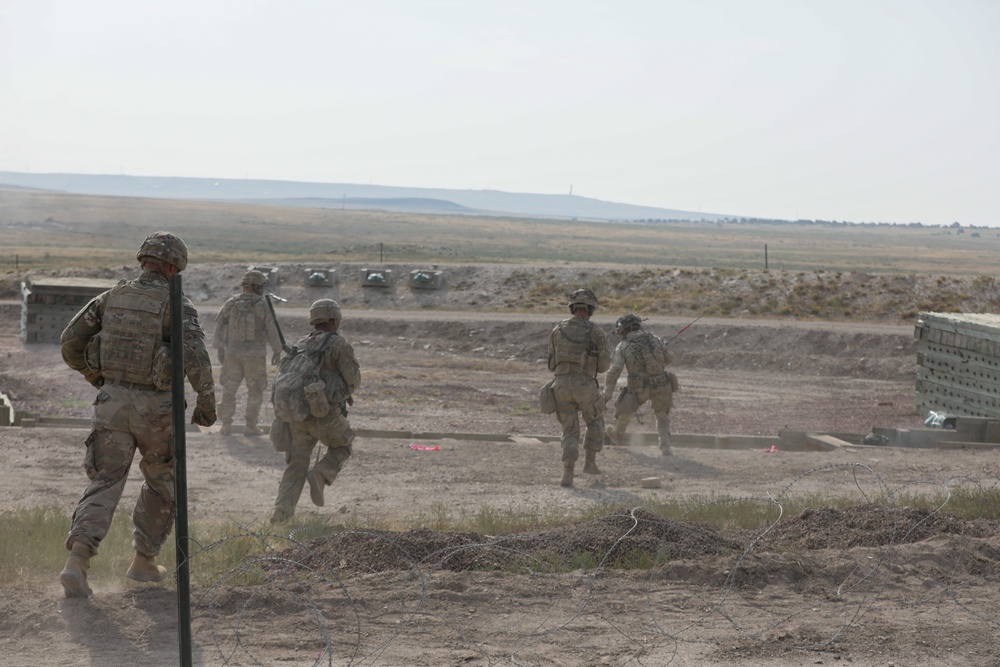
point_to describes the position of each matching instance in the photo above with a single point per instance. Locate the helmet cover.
(254, 278)
(627, 323)
(324, 309)
(584, 296)
(165, 247)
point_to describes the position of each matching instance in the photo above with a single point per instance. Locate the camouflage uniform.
(645, 356)
(578, 351)
(341, 374)
(133, 320)
(243, 330)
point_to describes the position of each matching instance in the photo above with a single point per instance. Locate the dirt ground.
(875, 584)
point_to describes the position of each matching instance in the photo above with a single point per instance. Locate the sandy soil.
(876, 584)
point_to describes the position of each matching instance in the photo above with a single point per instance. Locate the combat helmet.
(584, 296)
(627, 323)
(324, 309)
(164, 247)
(254, 278)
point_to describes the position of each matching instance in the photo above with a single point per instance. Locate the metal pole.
(379, 253)
(765, 255)
(180, 472)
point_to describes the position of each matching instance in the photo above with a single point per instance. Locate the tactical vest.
(646, 361)
(244, 318)
(575, 341)
(132, 331)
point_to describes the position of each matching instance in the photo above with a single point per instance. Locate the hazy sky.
(859, 110)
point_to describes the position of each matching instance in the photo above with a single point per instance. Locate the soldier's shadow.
(676, 464)
(256, 450)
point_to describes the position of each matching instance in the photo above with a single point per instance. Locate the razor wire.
(438, 581)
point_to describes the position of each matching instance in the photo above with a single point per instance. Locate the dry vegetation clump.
(624, 538)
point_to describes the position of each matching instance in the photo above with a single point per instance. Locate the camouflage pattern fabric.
(335, 432)
(236, 369)
(244, 329)
(89, 322)
(134, 415)
(125, 420)
(245, 326)
(341, 374)
(578, 351)
(645, 357)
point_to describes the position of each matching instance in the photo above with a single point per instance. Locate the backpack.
(296, 373)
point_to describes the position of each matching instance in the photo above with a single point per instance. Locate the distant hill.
(349, 195)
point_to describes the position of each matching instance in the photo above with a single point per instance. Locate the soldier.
(578, 351)
(333, 376)
(120, 342)
(646, 357)
(242, 331)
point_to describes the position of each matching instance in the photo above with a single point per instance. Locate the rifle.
(289, 350)
(677, 335)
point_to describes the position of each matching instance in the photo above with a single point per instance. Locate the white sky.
(859, 110)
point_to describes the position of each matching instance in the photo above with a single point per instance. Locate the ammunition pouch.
(627, 403)
(162, 371)
(92, 355)
(281, 435)
(547, 398)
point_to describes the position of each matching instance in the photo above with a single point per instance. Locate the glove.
(204, 410)
(222, 355)
(95, 378)
(275, 358)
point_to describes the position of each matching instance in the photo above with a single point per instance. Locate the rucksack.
(296, 372)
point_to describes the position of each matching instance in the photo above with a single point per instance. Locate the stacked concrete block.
(48, 304)
(958, 364)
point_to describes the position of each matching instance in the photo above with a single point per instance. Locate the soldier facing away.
(578, 352)
(325, 368)
(243, 330)
(645, 356)
(120, 342)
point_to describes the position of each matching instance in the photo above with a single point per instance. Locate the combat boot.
(567, 477)
(590, 463)
(252, 430)
(227, 428)
(144, 568)
(74, 575)
(317, 484)
(281, 515)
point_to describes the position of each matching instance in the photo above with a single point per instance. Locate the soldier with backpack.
(242, 332)
(578, 351)
(645, 356)
(310, 395)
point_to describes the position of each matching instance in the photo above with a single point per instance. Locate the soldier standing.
(242, 331)
(120, 342)
(578, 351)
(333, 376)
(646, 357)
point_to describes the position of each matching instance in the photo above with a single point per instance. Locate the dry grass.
(48, 230)
(813, 271)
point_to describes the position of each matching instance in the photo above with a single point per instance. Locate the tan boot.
(252, 430)
(317, 484)
(281, 515)
(590, 463)
(227, 428)
(144, 568)
(567, 477)
(74, 575)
